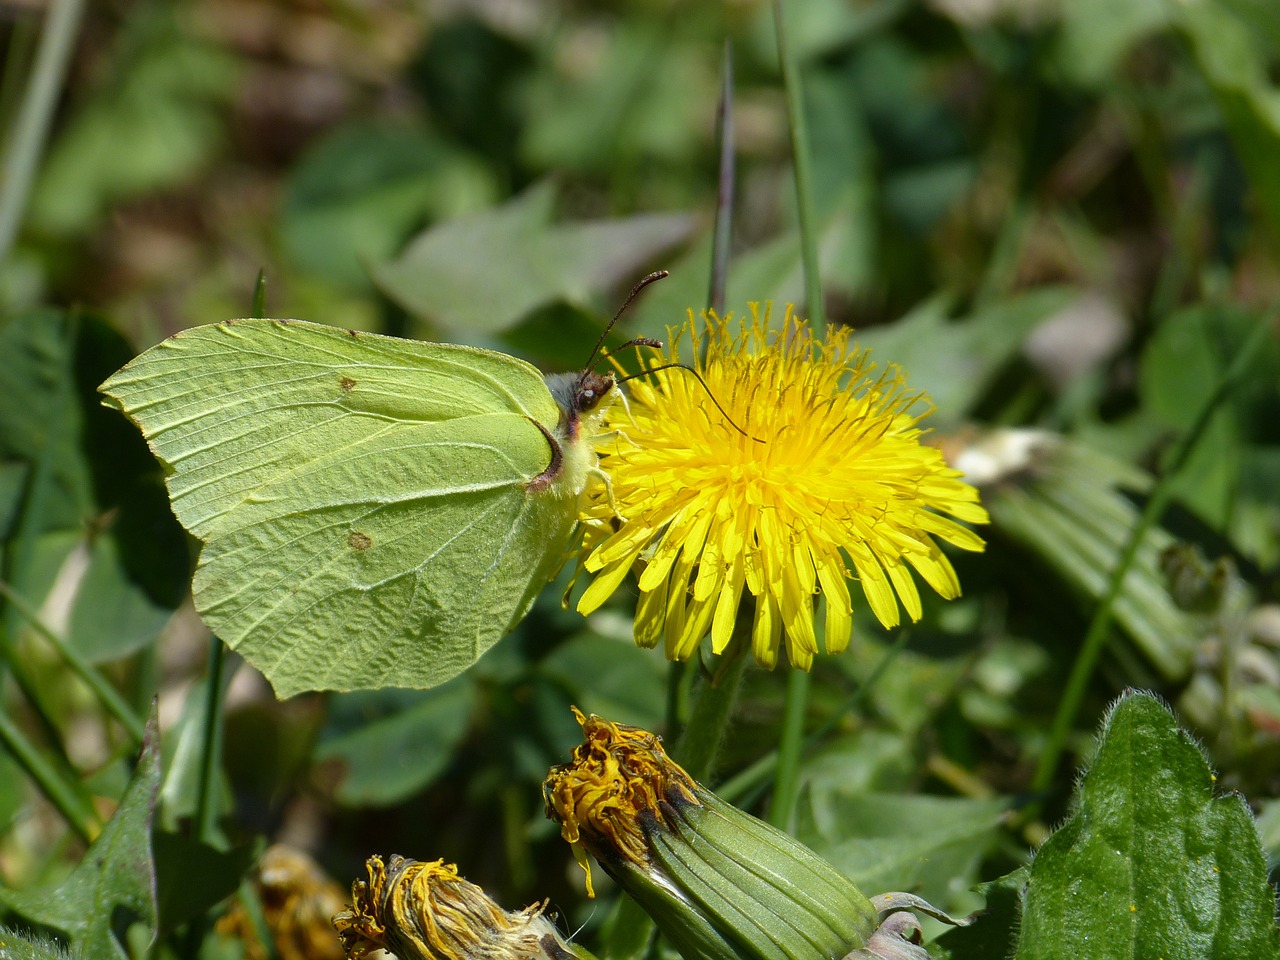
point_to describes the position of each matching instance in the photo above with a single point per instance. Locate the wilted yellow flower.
(719, 884)
(298, 898)
(814, 473)
(425, 911)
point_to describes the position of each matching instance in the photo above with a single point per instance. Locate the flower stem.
(1096, 636)
(712, 707)
(800, 159)
(790, 748)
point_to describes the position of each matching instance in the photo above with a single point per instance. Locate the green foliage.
(151, 125)
(90, 515)
(524, 261)
(114, 886)
(381, 748)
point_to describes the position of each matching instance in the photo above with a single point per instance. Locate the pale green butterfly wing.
(365, 502)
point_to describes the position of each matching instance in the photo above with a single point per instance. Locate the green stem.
(252, 904)
(790, 748)
(259, 308)
(722, 235)
(211, 746)
(206, 821)
(748, 783)
(31, 130)
(712, 707)
(107, 695)
(1095, 638)
(800, 158)
(66, 797)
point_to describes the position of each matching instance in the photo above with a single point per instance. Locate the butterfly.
(374, 511)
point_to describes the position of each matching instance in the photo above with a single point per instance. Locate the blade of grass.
(260, 295)
(1099, 626)
(35, 117)
(721, 238)
(95, 681)
(802, 167)
(65, 796)
(786, 777)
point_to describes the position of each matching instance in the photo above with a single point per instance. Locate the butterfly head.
(582, 398)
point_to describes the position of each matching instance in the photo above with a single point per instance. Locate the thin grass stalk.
(722, 236)
(107, 695)
(65, 796)
(35, 117)
(786, 779)
(802, 167)
(1096, 636)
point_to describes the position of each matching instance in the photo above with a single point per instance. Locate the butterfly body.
(375, 511)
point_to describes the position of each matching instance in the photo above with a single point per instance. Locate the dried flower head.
(425, 911)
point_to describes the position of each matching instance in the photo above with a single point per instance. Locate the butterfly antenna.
(697, 376)
(635, 292)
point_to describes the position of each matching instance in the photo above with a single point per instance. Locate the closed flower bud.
(719, 883)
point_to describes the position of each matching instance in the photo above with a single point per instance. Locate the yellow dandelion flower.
(826, 480)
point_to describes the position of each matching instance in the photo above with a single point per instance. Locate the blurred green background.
(1059, 215)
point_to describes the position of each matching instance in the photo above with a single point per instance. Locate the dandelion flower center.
(787, 467)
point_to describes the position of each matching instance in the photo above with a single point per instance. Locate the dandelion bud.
(720, 884)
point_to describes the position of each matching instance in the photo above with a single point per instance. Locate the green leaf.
(150, 123)
(91, 518)
(380, 748)
(1067, 509)
(609, 675)
(1151, 864)
(993, 932)
(956, 361)
(193, 876)
(1096, 34)
(1227, 480)
(113, 887)
(355, 197)
(481, 274)
(929, 845)
(1236, 66)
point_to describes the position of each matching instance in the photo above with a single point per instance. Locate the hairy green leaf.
(1151, 864)
(113, 887)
